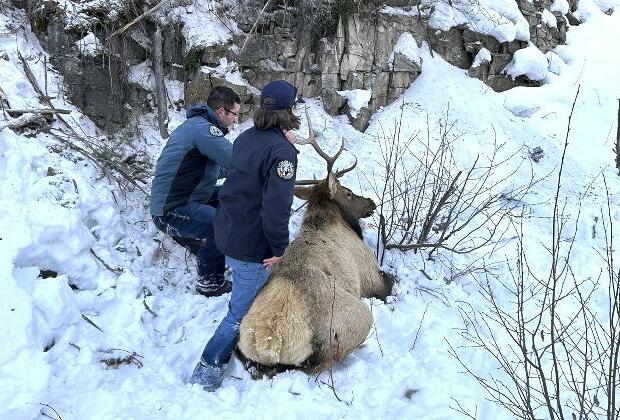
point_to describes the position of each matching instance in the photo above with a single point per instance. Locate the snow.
(556, 64)
(501, 19)
(590, 9)
(89, 45)
(142, 75)
(228, 71)
(59, 214)
(356, 99)
(561, 6)
(81, 16)
(483, 56)
(205, 22)
(390, 10)
(530, 62)
(407, 46)
(549, 19)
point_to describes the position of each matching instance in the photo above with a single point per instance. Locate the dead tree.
(160, 87)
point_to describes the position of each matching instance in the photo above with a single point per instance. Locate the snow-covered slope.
(132, 287)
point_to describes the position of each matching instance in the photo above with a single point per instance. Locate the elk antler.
(312, 141)
(338, 174)
(329, 159)
(344, 171)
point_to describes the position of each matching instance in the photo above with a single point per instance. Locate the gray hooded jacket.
(195, 156)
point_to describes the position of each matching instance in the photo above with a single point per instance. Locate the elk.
(310, 314)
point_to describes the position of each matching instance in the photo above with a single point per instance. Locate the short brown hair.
(283, 118)
(223, 97)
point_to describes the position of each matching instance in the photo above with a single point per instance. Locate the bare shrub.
(557, 356)
(114, 156)
(117, 357)
(427, 202)
(617, 147)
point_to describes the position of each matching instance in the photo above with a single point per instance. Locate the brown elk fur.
(310, 313)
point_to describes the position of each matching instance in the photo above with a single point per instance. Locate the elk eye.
(349, 194)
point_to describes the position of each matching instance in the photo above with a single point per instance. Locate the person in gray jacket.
(184, 194)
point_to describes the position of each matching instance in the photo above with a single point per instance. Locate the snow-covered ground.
(59, 215)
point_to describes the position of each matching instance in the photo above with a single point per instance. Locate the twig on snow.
(116, 271)
(51, 408)
(87, 319)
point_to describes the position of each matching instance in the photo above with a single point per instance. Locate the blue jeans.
(248, 279)
(195, 221)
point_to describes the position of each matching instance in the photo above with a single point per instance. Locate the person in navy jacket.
(251, 223)
(184, 194)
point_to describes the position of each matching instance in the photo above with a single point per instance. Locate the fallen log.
(21, 122)
(38, 111)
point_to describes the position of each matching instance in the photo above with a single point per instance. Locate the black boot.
(213, 285)
(192, 245)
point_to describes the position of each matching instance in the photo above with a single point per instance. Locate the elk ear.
(303, 193)
(332, 185)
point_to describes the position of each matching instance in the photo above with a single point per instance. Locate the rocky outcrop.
(491, 71)
(96, 75)
(545, 35)
(360, 54)
(366, 48)
(547, 31)
(197, 90)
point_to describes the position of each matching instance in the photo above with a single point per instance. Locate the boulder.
(332, 101)
(198, 88)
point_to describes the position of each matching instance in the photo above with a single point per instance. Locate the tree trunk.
(160, 87)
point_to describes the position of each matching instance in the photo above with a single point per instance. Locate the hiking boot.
(210, 377)
(211, 286)
(192, 245)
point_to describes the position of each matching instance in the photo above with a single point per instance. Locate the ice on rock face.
(89, 45)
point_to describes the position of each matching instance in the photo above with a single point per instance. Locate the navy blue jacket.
(195, 156)
(252, 217)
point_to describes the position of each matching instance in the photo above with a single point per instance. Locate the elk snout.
(369, 207)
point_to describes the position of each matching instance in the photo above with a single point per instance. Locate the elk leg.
(379, 285)
(388, 284)
(258, 371)
(276, 329)
(345, 328)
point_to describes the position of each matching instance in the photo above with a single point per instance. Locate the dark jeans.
(195, 221)
(248, 279)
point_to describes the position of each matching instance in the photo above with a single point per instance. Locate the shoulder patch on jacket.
(215, 131)
(285, 169)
